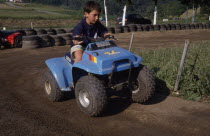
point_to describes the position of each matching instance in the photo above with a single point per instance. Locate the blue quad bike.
(104, 68)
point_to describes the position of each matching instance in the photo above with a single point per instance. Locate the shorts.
(75, 48)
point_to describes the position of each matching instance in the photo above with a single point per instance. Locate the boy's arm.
(76, 33)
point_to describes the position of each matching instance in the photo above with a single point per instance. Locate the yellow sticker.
(112, 53)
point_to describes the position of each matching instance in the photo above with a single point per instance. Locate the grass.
(195, 80)
(28, 14)
(30, 11)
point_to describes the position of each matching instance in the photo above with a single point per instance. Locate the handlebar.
(81, 38)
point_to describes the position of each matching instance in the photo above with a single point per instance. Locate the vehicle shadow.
(161, 93)
(118, 104)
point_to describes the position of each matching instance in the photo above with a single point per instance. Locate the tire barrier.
(151, 28)
(132, 28)
(192, 26)
(156, 27)
(66, 37)
(145, 27)
(177, 27)
(51, 31)
(139, 28)
(170, 27)
(163, 27)
(39, 38)
(46, 40)
(58, 40)
(200, 26)
(60, 31)
(68, 30)
(126, 29)
(40, 31)
(118, 29)
(23, 33)
(111, 30)
(30, 32)
(187, 26)
(33, 41)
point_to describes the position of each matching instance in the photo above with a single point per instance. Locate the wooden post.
(32, 26)
(181, 66)
(131, 42)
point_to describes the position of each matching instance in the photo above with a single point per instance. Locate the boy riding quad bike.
(10, 39)
(104, 66)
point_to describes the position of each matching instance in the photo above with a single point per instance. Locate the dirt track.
(24, 109)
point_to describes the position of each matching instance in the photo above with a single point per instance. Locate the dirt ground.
(25, 110)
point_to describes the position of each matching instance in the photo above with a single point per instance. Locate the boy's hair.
(92, 5)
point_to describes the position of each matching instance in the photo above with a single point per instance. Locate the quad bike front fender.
(61, 70)
(95, 68)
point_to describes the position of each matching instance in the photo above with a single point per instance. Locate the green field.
(195, 80)
(32, 11)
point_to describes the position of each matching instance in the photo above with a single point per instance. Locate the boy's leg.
(76, 53)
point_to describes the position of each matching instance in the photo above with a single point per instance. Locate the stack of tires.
(118, 29)
(46, 40)
(111, 30)
(32, 41)
(200, 26)
(67, 38)
(132, 27)
(41, 31)
(145, 27)
(51, 31)
(139, 28)
(163, 27)
(192, 26)
(57, 40)
(30, 32)
(187, 26)
(60, 31)
(178, 26)
(151, 28)
(126, 29)
(156, 27)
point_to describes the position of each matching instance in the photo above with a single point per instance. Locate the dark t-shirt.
(93, 31)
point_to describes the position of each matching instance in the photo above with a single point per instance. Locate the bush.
(195, 80)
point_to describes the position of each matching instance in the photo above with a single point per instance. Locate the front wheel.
(144, 86)
(91, 95)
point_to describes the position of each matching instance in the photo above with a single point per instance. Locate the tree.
(195, 4)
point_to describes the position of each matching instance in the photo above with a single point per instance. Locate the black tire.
(51, 87)
(144, 87)
(93, 88)
(18, 41)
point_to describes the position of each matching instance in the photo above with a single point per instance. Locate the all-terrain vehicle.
(104, 67)
(10, 39)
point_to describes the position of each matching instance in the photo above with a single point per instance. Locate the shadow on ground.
(161, 92)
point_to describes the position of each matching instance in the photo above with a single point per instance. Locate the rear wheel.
(18, 41)
(51, 87)
(144, 86)
(91, 95)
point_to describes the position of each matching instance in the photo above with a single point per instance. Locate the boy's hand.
(76, 42)
(110, 36)
(107, 34)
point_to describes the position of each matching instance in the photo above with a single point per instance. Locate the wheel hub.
(84, 98)
(135, 87)
(48, 87)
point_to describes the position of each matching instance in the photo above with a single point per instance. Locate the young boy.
(88, 26)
